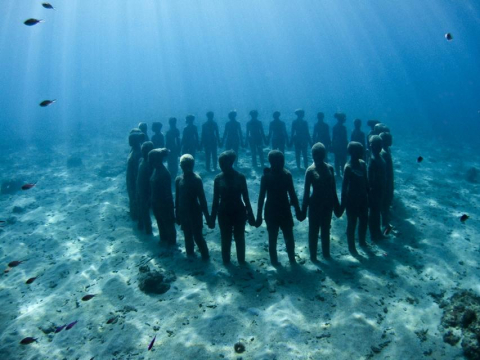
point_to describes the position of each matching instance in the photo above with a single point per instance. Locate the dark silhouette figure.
(173, 144)
(277, 133)
(321, 133)
(355, 195)
(357, 134)
(321, 202)
(255, 137)
(232, 135)
(158, 139)
(277, 185)
(386, 155)
(144, 128)
(371, 124)
(230, 187)
(161, 197)
(135, 139)
(300, 138)
(145, 171)
(191, 206)
(339, 143)
(377, 186)
(190, 141)
(210, 140)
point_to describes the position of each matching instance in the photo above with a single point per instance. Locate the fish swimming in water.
(464, 218)
(28, 340)
(31, 22)
(15, 263)
(112, 320)
(45, 103)
(28, 186)
(419, 159)
(31, 280)
(2, 222)
(48, 6)
(151, 343)
(60, 328)
(71, 325)
(448, 36)
(87, 297)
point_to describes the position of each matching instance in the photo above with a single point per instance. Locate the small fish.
(388, 230)
(111, 320)
(419, 159)
(60, 328)
(385, 254)
(45, 103)
(15, 263)
(31, 22)
(448, 36)
(464, 218)
(151, 343)
(87, 297)
(71, 325)
(28, 340)
(31, 280)
(28, 186)
(7, 270)
(2, 223)
(48, 6)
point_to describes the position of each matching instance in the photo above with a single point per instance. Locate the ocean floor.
(74, 234)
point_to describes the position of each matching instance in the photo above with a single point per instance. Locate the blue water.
(111, 64)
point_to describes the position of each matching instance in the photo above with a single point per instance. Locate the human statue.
(161, 197)
(320, 199)
(210, 141)
(191, 207)
(354, 197)
(300, 138)
(277, 186)
(232, 205)
(255, 137)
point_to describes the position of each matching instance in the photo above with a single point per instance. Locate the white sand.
(77, 237)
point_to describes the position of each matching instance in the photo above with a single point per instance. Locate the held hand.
(259, 221)
(211, 223)
(301, 215)
(177, 220)
(251, 219)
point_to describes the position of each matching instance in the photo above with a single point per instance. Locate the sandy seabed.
(74, 231)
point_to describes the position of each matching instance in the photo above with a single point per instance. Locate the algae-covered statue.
(339, 143)
(232, 205)
(190, 141)
(173, 144)
(232, 135)
(277, 133)
(321, 133)
(321, 202)
(210, 141)
(255, 137)
(386, 154)
(158, 139)
(161, 197)
(145, 171)
(191, 206)
(135, 139)
(300, 138)
(377, 176)
(277, 185)
(355, 195)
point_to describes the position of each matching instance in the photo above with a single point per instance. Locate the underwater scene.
(225, 179)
